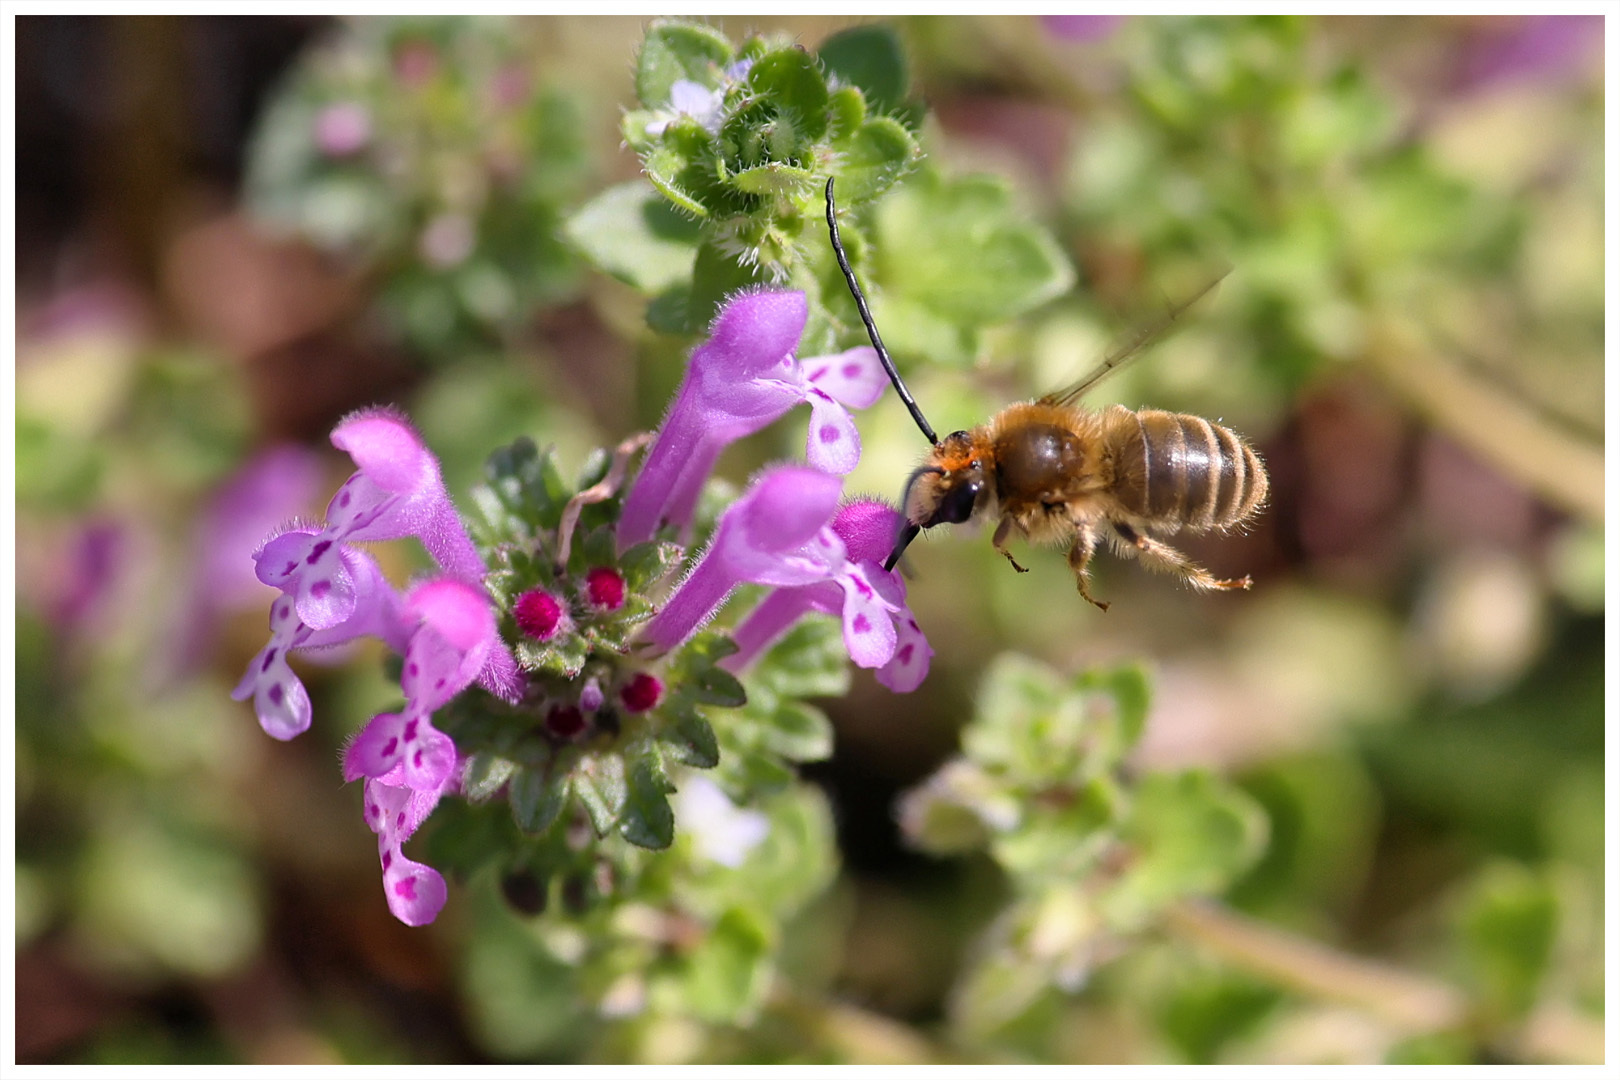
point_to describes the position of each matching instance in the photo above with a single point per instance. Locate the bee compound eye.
(958, 503)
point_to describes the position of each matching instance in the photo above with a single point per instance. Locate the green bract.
(741, 141)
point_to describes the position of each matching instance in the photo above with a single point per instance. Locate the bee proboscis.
(1053, 471)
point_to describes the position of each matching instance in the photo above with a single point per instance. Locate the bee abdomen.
(1191, 472)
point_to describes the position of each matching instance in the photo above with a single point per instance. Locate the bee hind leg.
(1000, 541)
(1157, 555)
(1085, 542)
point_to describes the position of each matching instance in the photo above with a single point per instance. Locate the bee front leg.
(1000, 541)
(1157, 555)
(1085, 542)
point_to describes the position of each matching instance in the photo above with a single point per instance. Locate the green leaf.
(871, 158)
(715, 277)
(664, 167)
(871, 58)
(1193, 835)
(791, 80)
(728, 973)
(717, 686)
(644, 563)
(799, 732)
(1127, 685)
(1507, 925)
(632, 233)
(678, 50)
(691, 740)
(809, 661)
(600, 784)
(960, 247)
(563, 655)
(648, 820)
(538, 799)
(485, 775)
(773, 178)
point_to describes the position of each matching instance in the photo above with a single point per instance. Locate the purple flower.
(454, 635)
(396, 492)
(415, 892)
(278, 695)
(879, 629)
(1081, 27)
(740, 380)
(342, 129)
(775, 534)
(1531, 48)
(274, 486)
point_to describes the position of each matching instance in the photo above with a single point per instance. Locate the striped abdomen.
(1176, 468)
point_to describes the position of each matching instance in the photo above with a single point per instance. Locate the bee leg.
(1157, 555)
(1000, 542)
(1085, 542)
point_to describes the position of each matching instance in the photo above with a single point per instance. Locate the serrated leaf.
(678, 50)
(633, 233)
(1192, 835)
(799, 732)
(648, 820)
(1128, 686)
(871, 58)
(600, 784)
(871, 158)
(643, 564)
(664, 167)
(717, 686)
(691, 740)
(791, 80)
(772, 178)
(538, 799)
(809, 661)
(485, 774)
(564, 655)
(959, 246)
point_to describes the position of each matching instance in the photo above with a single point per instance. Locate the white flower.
(722, 831)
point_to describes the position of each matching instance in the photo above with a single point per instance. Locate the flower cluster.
(585, 718)
(333, 592)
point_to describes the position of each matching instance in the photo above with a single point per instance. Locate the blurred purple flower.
(1536, 48)
(740, 380)
(879, 629)
(276, 485)
(95, 558)
(1081, 27)
(342, 129)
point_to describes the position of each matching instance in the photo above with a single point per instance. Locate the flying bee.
(1054, 472)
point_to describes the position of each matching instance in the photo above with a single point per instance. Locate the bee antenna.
(866, 319)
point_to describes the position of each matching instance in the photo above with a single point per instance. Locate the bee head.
(948, 489)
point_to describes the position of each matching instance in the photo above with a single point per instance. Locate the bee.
(1054, 472)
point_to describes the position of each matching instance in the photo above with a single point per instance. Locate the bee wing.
(1132, 347)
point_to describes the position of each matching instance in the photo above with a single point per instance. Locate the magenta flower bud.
(565, 722)
(738, 382)
(591, 696)
(605, 589)
(641, 692)
(540, 615)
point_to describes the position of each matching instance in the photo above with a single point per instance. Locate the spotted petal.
(834, 445)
